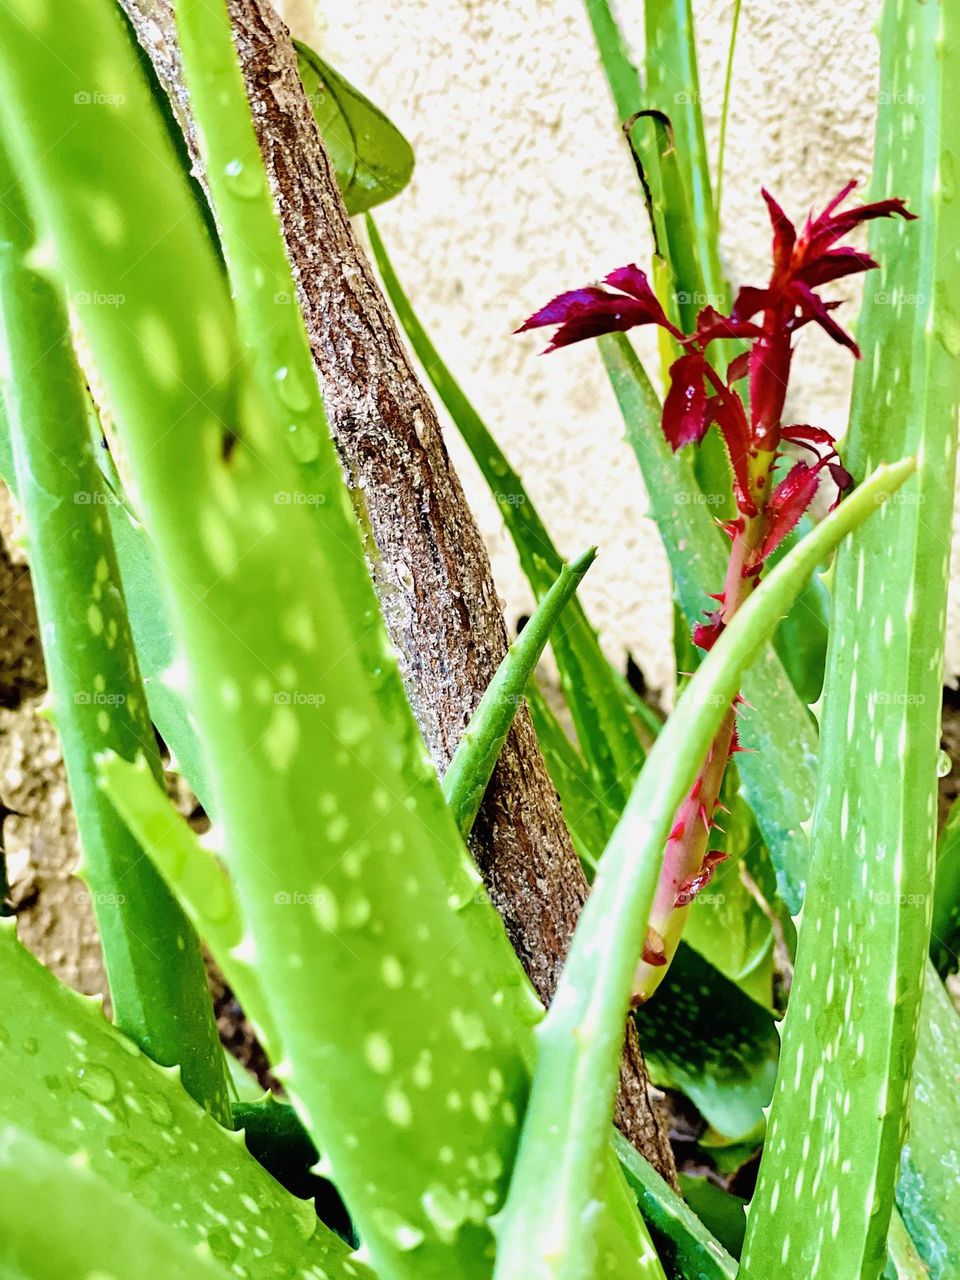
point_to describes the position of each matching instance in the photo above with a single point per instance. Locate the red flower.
(686, 410)
(589, 312)
(802, 263)
(698, 396)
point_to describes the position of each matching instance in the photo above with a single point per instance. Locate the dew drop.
(304, 442)
(400, 1233)
(157, 1108)
(98, 1083)
(245, 181)
(291, 390)
(137, 1158)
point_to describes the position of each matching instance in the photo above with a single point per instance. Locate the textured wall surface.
(524, 188)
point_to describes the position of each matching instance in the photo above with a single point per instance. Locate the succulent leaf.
(565, 1127)
(860, 962)
(152, 956)
(475, 758)
(62, 1220)
(79, 1087)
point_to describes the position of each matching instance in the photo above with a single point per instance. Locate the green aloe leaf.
(81, 1089)
(687, 1246)
(725, 109)
(930, 1160)
(156, 650)
(149, 622)
(703, 1036)
(193, 872)
(607, 736)
(61, 1220)
(475, 758)
(368, 877)
(719, 1210)
(155, 970)
(565, 1127)
(945, 930)
(670, 150)
(903, 1260)
(852, 1024)
(372, 160)
(246, 575)
(801, 639)
(673, 86)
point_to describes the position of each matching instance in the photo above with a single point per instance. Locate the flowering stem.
(688, 862)
(803, 262)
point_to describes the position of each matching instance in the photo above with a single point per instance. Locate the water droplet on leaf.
(304, 443)
(97, 1082)
(243, 180)
(403, 1235)
(291, 390)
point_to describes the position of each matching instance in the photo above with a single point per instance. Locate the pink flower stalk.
(697, 397)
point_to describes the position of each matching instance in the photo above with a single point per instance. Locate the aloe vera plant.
(767, 511)
(218, 580)
(883, 685)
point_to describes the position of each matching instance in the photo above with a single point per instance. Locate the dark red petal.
(566, 305)
(749, 301)
(839, 198)
(690, 887)
(588, 313)
(801, 433)
(786, 505)
(784, 233)
(731, 419)
(739, 368)
(630, 279)
(830, 226)
(814, 308)
(685, 411)
(833, 265)
(711, 325)
(592, 311)
(841, 477)
(706, 634)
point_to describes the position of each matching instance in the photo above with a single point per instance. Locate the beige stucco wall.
(523, 188)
